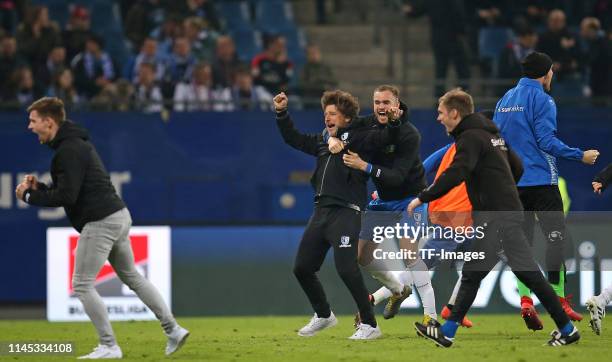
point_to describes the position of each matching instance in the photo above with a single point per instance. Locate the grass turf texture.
(494, 337)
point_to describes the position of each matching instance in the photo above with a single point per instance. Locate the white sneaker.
(597, 309)
(176, 339)
(317, 324)
(366, 331)
(103, 351)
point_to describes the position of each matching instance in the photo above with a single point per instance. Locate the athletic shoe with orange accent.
(446, 312)
(567, 308)
(530, 315)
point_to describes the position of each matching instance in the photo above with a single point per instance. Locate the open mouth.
(382, 113)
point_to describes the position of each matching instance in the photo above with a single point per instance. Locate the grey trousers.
(107, 239)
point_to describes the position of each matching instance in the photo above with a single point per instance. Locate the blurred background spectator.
(62, 86)
(597, 58)
(316, 77)
(37, 35)
(247, 96)
(560, 45)
(271, 68)
(93, 68)
(77, 31)
(147, 94)
(199, 94)
(226, 62)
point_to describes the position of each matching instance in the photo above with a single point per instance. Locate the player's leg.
(310, 255)
(473, 272)
(95, 243)
(417, 273)
(121, 258)
(529, 197)
(552, 222)
(520, 259)
(378, 268)
(342, 231)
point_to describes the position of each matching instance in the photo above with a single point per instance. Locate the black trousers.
(507, 234)
(545, 202)
(336, 227)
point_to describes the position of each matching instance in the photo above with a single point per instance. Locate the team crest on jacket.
(345, 241)
(344, 136)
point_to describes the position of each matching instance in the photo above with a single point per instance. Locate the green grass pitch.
(493, 338)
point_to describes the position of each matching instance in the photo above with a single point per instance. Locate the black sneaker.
(559, 340)
(433, 331)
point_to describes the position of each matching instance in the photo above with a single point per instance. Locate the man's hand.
(416, 202)
(394, 113)
(280, 102)
(21, 188)
(597, 187)
(589, 157)
(31, 181)
(352, 160)
(335, 145)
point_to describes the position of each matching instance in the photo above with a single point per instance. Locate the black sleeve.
(70, 166)
(604, 177)
(306, 143)
(42, 186)
(409, 153)
(516, 166)
(469, 148)
(367, 140)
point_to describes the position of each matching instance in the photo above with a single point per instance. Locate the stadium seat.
(491, 42)
(272, 15)
(234, 15)
(248, 43)
(58, 10)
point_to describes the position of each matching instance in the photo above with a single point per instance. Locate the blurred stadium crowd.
(577, 34)
(188, 55)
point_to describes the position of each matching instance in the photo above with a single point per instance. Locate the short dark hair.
(346, 103)
(51, 107)
(388, 88)
(458, 99)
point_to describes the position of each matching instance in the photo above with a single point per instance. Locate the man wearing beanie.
(527, 118)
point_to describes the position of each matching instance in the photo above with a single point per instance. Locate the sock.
(450, 329)
(560, 287)
(422, 282)
(381, 294)
(523, 290)
(569, 327)
(388, 279)
(606, 294)
(453, 296)
(406, 278)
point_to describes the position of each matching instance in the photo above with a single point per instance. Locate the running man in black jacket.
(340, 196)
(490, 171)
(83, 187)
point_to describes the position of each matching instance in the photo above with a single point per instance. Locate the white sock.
(453, 296)
(422, 282)
(387, 278)
(406, 278)
(606, 294)
(381, 294)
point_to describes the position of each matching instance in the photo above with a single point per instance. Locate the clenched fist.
(589, 157)
(280, 102)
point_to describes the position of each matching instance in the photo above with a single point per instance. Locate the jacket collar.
(528, 82)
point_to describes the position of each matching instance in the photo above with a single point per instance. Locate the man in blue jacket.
(527, 118)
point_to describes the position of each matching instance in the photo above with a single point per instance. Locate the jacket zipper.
(323, 177)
